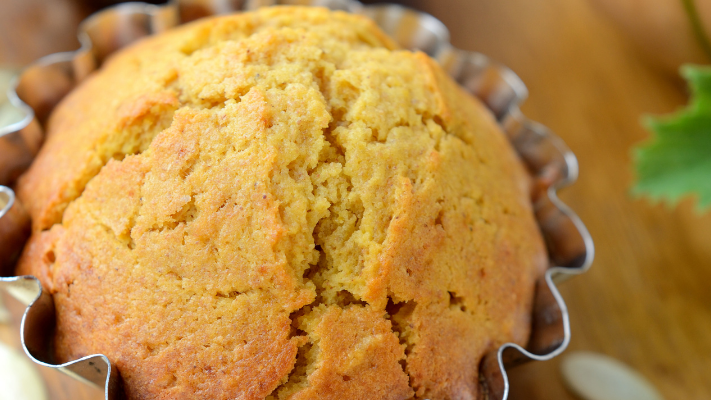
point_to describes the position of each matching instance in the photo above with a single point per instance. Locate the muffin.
(281, 205)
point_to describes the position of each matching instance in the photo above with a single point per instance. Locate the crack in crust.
(278, 205)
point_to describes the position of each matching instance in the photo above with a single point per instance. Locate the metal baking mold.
(550, 162)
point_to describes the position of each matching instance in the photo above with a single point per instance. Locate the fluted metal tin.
(14, 229)
(41, 86)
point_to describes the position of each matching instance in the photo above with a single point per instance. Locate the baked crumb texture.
(281, 205)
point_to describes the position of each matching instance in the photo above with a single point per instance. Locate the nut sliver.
(598, 377)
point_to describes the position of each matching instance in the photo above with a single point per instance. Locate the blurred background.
(593, 69)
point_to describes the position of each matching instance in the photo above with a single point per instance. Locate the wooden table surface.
(647, 299)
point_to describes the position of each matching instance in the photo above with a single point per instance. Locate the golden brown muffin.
(281, 204)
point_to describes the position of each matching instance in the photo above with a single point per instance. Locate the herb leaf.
(677, 161)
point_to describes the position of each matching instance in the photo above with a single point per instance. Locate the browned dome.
(281, 204)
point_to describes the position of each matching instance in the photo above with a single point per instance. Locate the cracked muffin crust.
(281, 205)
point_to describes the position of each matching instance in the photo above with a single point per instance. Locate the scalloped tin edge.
(552, 164)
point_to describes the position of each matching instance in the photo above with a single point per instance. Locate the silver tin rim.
(7, 199)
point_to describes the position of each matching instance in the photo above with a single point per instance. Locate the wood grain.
(647, 299)
(30, 29)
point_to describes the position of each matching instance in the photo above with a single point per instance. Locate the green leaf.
(676, 162)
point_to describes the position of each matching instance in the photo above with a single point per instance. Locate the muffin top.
(281, 204)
